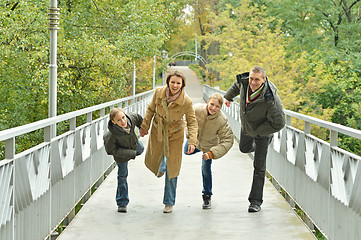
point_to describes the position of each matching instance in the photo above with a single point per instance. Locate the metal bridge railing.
(323, 179)
(40, 186)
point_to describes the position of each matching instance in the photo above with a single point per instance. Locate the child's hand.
(142, 132)
(205, 156)
(191, 149)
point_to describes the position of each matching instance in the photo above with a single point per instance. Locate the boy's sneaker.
(207, 202)
(122, 209)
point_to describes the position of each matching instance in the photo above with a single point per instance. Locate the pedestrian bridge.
(41, 188)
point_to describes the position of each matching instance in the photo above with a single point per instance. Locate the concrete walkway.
(228, 218)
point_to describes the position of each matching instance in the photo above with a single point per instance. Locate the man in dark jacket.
(122, 143)
(261, 114)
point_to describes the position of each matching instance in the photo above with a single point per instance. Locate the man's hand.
(191, 149)
(227, 103)
(142, 132)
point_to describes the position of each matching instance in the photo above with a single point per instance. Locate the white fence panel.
(41, 186)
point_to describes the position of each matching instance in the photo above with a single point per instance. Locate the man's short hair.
(258, 69)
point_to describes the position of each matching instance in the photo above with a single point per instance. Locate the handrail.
(20, 130)
(325, 124)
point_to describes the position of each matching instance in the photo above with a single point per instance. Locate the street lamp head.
(164, 54)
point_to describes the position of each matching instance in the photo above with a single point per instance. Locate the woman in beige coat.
(168, 107)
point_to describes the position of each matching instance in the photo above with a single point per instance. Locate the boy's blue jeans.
(121, 196)
(206, 171)
(170, 186)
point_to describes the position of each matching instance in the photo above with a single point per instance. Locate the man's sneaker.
(168, 209)
(122, 209)
(206, 202)
(254, 208)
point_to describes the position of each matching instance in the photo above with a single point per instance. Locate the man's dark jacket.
(264, 116)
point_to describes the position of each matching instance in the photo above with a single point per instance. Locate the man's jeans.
(259, 145)
(170, 186)
(206, 171)
(121, 196)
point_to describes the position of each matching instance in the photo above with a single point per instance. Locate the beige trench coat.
(167, 131)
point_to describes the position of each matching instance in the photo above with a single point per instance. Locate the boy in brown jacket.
(215, 138)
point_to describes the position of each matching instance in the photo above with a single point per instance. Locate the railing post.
(89, 117)
(307, 128)
(10, 148)
(102, 112)
(72, 124)
(288, 120)
(333, 138)
(48, 134)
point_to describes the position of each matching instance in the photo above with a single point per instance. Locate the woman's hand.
(142, 132)
(191, 149)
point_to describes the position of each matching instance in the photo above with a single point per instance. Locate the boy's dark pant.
(258, 145)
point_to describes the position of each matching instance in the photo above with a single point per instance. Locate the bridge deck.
(228, 218)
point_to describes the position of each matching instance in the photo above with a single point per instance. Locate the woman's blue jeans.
(206, 171)
(121, 196)
(170, 186)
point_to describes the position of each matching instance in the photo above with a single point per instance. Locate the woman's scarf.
(172, 98)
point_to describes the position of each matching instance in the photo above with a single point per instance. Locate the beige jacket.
(167, 130)
(214, 132)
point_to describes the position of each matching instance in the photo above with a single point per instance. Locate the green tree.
(245, 40)
(98, 42)
(321, 25)
(23, 62)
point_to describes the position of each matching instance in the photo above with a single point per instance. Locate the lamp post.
(195, 59)
(164, 56)
(154, 72)
(133, 82)
(53, 27)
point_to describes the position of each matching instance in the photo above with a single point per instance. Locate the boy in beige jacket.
(215, 138)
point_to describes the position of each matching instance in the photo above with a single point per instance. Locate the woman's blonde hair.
(114, 112)
(218, 97)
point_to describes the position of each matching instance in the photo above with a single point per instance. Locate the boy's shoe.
(122, 209)
(254, 208)
(207, 202)
(168, 209)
